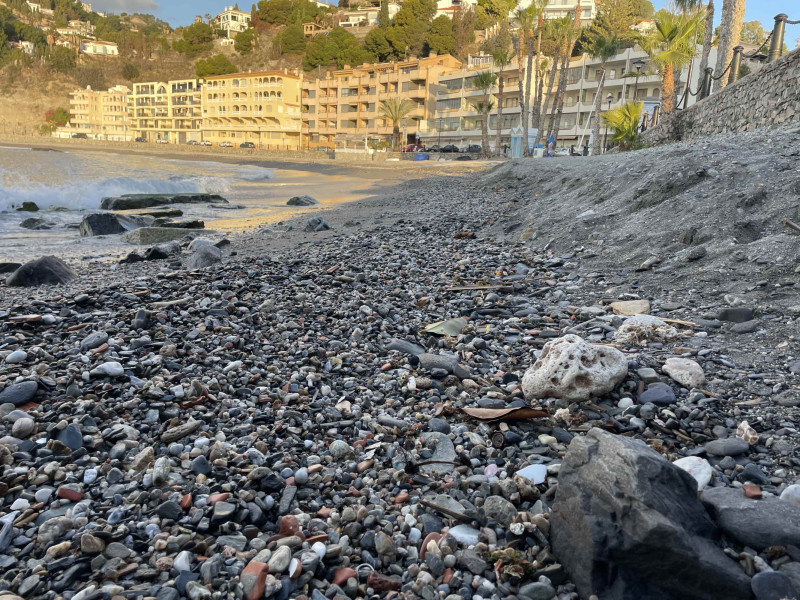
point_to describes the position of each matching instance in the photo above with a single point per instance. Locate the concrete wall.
(769, 97)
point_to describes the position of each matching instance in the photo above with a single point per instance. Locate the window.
(450, 104)
(453, 84)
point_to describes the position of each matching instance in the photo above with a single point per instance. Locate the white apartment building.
(449, 7)
(556, 9)
(99, 48)
(232, 20)
(456, 121)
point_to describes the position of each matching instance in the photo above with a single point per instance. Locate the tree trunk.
(730, 33)
(526, 109)
(667, 91)
(707, 38)
(535, 110)
(598, 101)
(569, 42)
(676, 83)
(558, 101)
(485, 129)
(498, 139)
(395, 137)
(521, 87)
(550, 81)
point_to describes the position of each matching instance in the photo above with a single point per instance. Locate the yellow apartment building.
(342, 110)
(167, 112)
(261, 108)
(99, 115)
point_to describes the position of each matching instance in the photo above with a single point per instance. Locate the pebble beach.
(397, 405)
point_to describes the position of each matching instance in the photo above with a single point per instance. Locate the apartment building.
(342, 110)
(99, 48)
(232, 20)
(628, 75)
(556, 9)
(100, 115)
(261, 108)
(455, 120)
(168, 112)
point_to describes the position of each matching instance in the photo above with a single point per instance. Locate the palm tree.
(394, 110)
(729, 34)
(604, 48)
(484, 81)
(708, 35)
(625, 123)
(538, 93)
(528, 20)
(558, 30)
(671, 46)
(501, 60)
(569, 46)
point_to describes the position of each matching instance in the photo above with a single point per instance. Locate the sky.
(182, 12)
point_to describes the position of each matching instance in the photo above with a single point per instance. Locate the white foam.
(78, 194)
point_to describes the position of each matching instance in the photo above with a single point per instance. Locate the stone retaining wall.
(769, 97)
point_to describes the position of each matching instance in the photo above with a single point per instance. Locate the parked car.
(561, 152)
(140, 140)
(434, 148)
(449, 148)
(205, 143)
(412, 148)
(162, 141)
(322, 149)
(473, 149)
(192, 143)
(226, 145)
(247, 145)
(80, 136)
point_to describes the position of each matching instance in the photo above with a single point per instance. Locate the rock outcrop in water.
(139, 201)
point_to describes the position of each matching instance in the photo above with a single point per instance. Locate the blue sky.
(182, 12)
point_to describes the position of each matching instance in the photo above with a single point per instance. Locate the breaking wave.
(78, 195)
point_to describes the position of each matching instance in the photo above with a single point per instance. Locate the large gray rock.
(317, 224)
(36, 224)
(154, 235)
(572, 369)
(757, 523)
(48, 269)
(138, 201)
(100, 224)
(301, 201)
(625, 521)
(203, 257)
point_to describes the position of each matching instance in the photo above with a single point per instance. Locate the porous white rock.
(640, 329)
(686, 372)
(572, 369)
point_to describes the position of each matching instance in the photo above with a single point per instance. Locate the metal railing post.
(705, 90)
(776, 45)
(736, 63)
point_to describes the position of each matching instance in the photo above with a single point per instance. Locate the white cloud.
(128, 6)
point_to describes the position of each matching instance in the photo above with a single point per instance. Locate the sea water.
(68, 185)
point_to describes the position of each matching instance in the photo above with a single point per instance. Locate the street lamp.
(609, 98)
(405, 136)
(440, 133)
(639, 64)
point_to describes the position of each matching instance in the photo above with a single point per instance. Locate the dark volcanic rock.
(36, 224)
(100, 224)
(48, 269)
(302, 201)
(625, 521)
(757, 523)
(137, 201)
